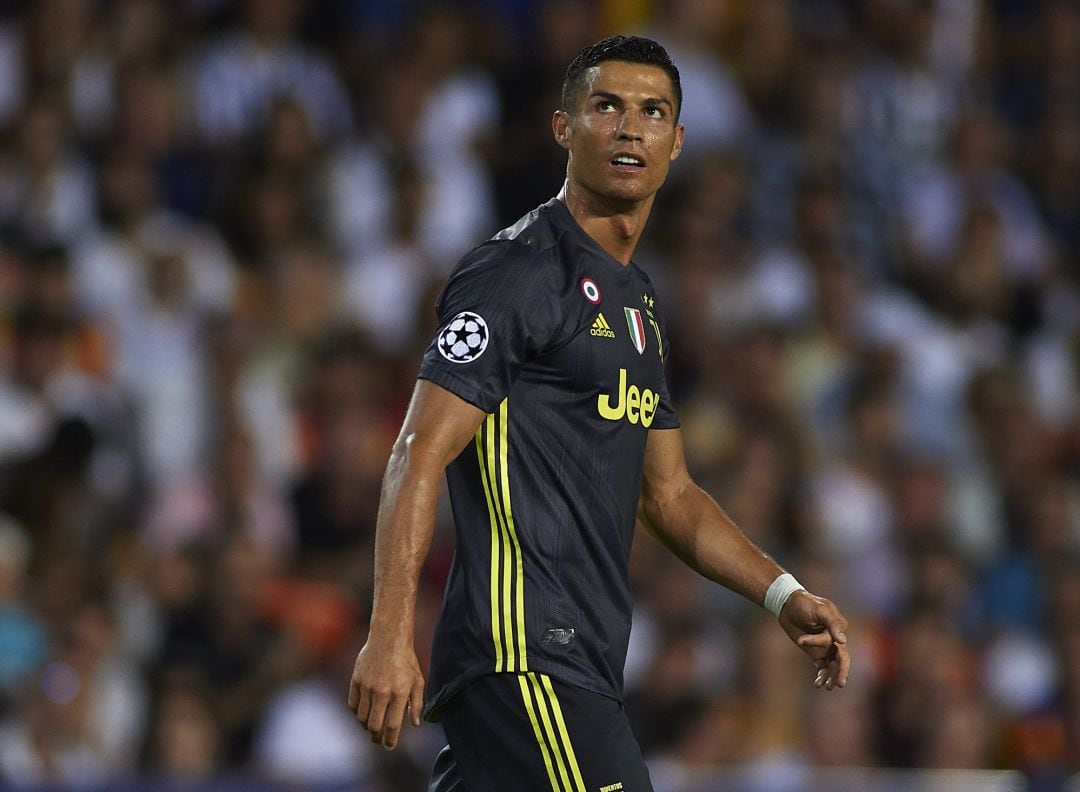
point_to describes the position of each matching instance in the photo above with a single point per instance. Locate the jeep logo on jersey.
(464, 339)
(637, 328)
(633, 403)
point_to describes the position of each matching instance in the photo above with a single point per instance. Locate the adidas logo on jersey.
(601, 328)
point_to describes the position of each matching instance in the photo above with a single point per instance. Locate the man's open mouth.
(628, 160)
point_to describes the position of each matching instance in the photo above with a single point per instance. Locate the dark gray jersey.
(564, 348)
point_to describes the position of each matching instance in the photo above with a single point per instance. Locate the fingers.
(360, 700)
(826, 674)
(381, 711)
(844, 664)
(834, 623)
(376, 718)
(416, 700)
(839, 658)
(832, 670)
(822, 640)
(395, 714)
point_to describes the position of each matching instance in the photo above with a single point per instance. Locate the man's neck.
(616, 229)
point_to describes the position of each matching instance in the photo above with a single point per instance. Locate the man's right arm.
(387, 678)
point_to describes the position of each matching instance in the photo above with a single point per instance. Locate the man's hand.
(818, 628)
(386, 681)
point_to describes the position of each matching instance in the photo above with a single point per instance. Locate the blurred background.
(222, 229)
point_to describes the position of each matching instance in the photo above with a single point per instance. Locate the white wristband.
(783, 587)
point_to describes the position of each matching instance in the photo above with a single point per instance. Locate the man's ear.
(677, 149)
(560, 127)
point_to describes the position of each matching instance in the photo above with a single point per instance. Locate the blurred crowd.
(222, 229)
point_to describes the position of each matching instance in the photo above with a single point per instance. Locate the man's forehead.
(623, 77)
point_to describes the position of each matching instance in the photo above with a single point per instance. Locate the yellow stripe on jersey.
(505, 610)
(507, 572)
(526, 696)
(496, 535)
(553, 700)
(549, 733)
(519, 579)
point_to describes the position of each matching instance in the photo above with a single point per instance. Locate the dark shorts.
(527, 732)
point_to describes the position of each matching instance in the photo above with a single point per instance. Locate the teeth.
(628, 161)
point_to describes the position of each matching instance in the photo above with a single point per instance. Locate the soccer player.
(543, 399)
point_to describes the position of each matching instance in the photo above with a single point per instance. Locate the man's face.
(622, 134)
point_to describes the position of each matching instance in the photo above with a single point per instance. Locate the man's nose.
(629, 127)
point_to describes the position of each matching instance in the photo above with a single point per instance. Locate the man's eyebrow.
(650, 101)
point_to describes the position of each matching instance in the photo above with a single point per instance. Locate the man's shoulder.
(531, 243)
(539, 229)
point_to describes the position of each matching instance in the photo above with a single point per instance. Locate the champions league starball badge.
(464, 339)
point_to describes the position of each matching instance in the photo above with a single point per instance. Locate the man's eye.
(605, 106)
(654, 112)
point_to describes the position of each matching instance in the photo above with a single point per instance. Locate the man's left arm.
(694, 527)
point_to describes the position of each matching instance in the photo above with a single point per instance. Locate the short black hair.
(631, 49)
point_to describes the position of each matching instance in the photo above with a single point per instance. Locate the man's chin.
(627, 195)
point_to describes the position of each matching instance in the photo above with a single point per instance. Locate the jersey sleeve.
(496, 311)
(666, 417)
